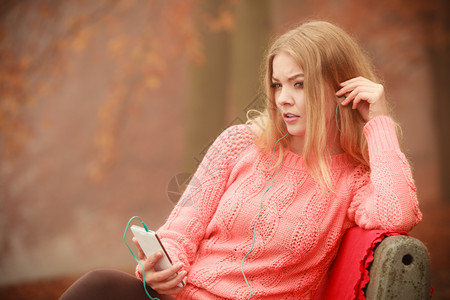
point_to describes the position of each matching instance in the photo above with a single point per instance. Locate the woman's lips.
(288, 117)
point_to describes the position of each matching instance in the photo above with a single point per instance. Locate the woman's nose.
(285, 98)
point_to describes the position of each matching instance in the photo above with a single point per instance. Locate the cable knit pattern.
(299, 229)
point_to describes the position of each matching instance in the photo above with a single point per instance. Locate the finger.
(152, 260)
(172, 291)
(162, 276)
(367, 93)
(344, 90)
(361, 97)
(344, 94)
(349, 92)
(174, 284)
(345, 100)
(141, 255)
(350, 96)
(349, 85)
(362, 85)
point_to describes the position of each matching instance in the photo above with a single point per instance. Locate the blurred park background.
(106, 107)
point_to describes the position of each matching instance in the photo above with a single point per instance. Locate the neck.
(335, 149)
(297, 143)
(334, 142)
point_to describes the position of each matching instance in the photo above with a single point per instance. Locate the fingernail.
(179, 265)
(183, 273)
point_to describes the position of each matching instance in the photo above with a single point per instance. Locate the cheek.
(275, 97)
(276, 101)
(301, 103)
(273, 105)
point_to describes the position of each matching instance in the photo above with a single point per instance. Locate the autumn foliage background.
(103, 104)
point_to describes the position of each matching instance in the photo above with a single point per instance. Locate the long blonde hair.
(328, 56)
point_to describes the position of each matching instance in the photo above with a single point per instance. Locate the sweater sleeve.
(187, 224)
(384, 194)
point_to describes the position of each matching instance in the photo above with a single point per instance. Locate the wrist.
(381, 134)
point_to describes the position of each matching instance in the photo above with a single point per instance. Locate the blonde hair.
(328, 56)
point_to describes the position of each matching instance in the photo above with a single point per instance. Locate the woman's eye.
(275, 85)
(299, 84)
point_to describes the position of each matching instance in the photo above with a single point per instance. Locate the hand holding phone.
(150, 243)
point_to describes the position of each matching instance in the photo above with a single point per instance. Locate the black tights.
(111, 285)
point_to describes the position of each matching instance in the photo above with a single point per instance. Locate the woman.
(276, 195)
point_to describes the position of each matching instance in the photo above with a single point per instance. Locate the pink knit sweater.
(298, 232)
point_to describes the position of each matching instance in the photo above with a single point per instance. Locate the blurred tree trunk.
(440, 63)
(207, 85)
(226, 84)
(249, 42)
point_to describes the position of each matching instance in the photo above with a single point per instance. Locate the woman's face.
(287, 87)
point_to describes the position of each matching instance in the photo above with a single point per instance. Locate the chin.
(294, 132)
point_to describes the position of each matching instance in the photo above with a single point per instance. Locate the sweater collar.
(296, 161)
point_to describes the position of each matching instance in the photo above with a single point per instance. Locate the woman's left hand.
(367, 96)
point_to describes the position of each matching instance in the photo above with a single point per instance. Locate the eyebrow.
(294, 76)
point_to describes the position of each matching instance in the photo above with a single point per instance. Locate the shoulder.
(236, 137)
(238, 133)
(233, 140)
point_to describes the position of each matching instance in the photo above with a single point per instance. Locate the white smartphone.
(150, 243)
